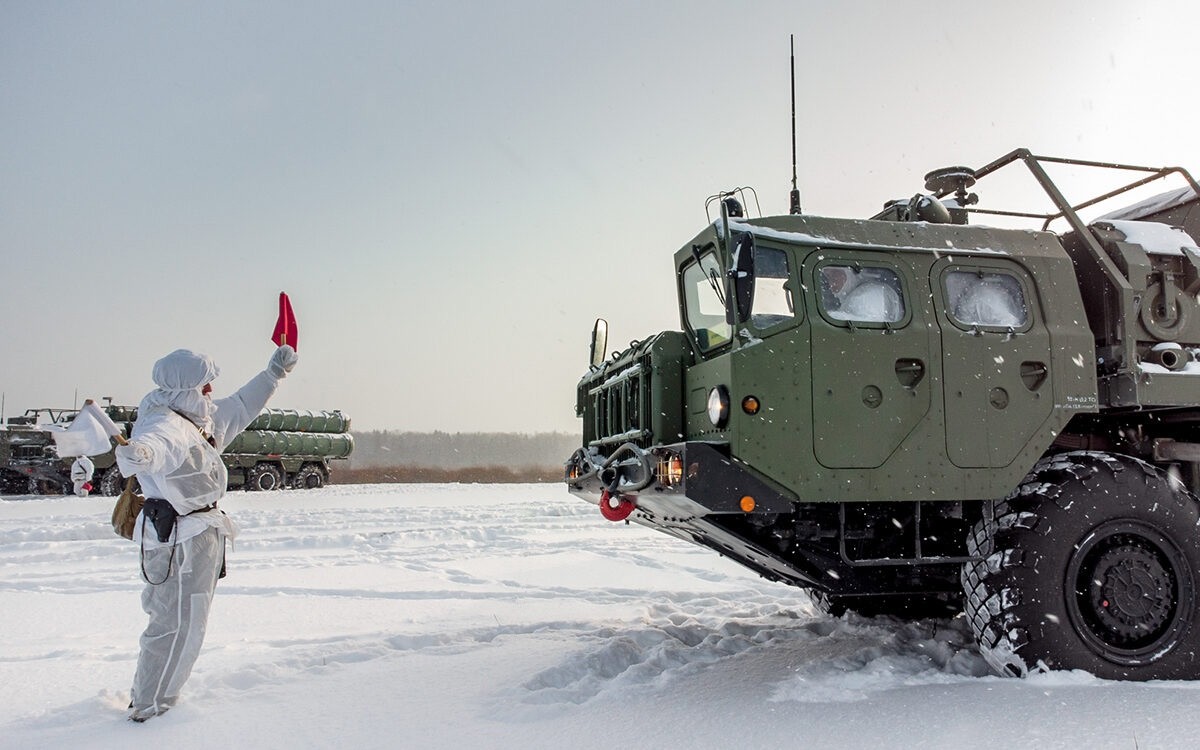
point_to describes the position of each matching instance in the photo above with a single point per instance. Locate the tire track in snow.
(806, 658)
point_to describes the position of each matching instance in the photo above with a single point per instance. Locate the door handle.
(910, 372)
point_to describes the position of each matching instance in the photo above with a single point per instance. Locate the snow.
(1156, 238)
(1153, 368)
(872, 302)
(504, 616)
(809, 238)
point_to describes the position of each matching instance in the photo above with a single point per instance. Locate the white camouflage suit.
(82, 471)
(172, 460)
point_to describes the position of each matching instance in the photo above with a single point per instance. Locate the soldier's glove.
(282, 361)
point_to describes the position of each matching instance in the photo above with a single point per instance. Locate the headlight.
(718, 406)
(669, 469)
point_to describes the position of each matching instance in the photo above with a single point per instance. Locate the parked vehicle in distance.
(281, 448)
(28, 463)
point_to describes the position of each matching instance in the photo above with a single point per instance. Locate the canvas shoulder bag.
(126, 511)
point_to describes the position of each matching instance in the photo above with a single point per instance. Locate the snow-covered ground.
(504, 616)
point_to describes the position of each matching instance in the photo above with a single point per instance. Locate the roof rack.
(1066, 210)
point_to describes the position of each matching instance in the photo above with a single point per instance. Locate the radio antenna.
(795, 202)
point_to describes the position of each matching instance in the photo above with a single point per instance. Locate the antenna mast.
(795, 198)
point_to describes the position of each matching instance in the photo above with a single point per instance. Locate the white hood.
(179, 376)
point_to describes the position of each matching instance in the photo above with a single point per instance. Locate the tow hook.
(615, 507)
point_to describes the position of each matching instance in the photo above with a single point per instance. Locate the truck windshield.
(702, 282)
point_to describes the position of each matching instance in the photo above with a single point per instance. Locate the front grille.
(636, 396)
(618, 406)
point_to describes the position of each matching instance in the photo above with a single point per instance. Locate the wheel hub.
(1131, 593)
(1127, 592)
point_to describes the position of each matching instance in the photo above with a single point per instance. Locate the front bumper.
(705, 481)
(42, 471)
(702, 499)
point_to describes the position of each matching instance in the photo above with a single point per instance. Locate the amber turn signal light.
(747, 504)
(750, 405)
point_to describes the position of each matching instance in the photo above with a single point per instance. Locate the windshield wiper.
(713, 276)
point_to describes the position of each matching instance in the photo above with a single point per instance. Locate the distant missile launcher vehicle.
(280, 448)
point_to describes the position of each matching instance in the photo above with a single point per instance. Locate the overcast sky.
(452, 191)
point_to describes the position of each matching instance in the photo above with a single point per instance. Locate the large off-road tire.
(309, 477)
(111, 482)
(901, 606)
(264, 477)
(1091, 564)
(12, 483)
(38, 486)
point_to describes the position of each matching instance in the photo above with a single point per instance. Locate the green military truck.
(280, 448)
(916, 414)
(288, 448)
(28, 464)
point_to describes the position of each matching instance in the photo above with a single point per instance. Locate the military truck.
(288, 448)
(917, 414)
(28, 463)
(280, 448)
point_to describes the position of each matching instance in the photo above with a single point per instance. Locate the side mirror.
(741, 271)
(599, 342)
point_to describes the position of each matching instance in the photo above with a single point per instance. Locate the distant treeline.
(458, 450)
(468, 475)
(384, 456)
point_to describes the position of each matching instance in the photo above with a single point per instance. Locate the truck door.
(770, 365)
(995, 359)
(870, 356)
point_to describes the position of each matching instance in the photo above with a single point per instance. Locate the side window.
(861, 294)
(773, 302)
(986, 299)
(704, 302)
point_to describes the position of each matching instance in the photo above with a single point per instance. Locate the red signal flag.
(285, 327)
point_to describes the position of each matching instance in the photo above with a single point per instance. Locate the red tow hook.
(615, 507)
